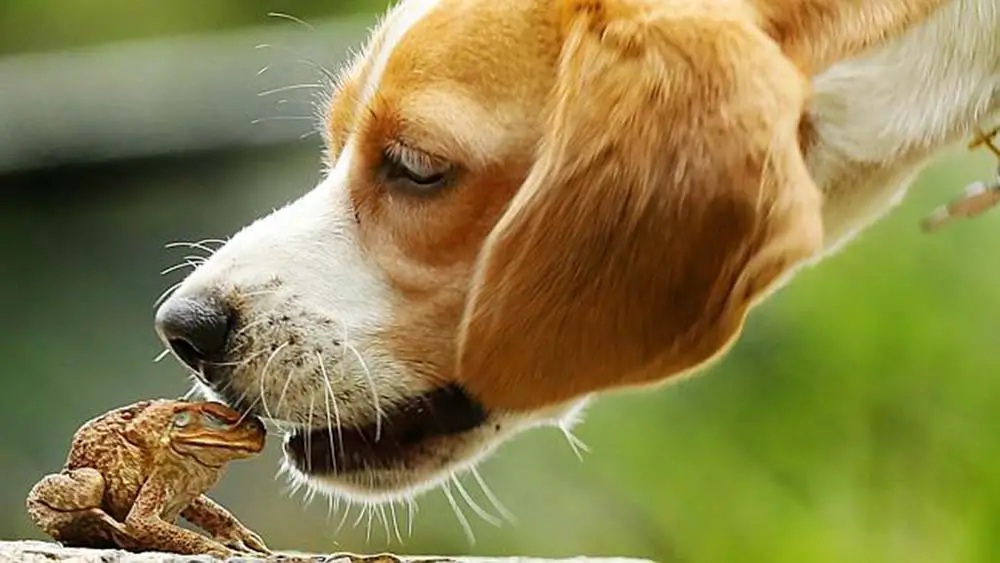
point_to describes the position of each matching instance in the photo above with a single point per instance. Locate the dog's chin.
(441, 434)
(426, 435)
(386, 472)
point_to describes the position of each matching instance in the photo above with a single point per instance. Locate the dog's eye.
(415, 169)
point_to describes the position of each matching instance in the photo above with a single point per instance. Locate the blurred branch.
(164, 96)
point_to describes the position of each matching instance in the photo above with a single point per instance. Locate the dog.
(531, 203)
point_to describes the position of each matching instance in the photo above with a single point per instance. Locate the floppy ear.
(817, 33)
(668, 195)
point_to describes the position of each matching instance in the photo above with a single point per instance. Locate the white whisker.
(246, 413)
(462, 520)
(327, 396)
(175, 267)
(370, 512)
(294, 487)
(395, 522)
(361, 515)
(284, 101)
(343, 519)
(302, 59)
(244, 362)
(166, 293)
(161, 355)
(200, 245)
(191, 392)
(263, 377)
(411, 512)
(368, 525)
(291, 18)
(308, 435)
(575, 444)
(281, 118)
(371, 385)
(291, 87)
(491, 497)
(385, 522)
(473, 504)
(284, 390)
(282, 470)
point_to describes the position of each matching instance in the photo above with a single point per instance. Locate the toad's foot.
(224, 527)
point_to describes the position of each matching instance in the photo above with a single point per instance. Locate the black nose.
(195, 329)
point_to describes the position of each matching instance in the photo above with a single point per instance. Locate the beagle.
(528, 203)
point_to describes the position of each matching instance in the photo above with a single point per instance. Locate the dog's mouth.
(388, 443)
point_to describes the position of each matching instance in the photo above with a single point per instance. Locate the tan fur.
(577, 267)
(817, 33)
(621, 293)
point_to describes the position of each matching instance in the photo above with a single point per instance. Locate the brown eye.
(413, 168)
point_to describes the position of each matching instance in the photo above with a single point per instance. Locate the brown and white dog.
(530, 202)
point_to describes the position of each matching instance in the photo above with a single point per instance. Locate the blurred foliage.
(856, 420)
(36, 25)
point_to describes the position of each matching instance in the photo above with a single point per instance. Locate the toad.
(133, 471)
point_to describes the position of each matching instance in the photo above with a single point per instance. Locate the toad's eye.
(415, 170)
(182, 419)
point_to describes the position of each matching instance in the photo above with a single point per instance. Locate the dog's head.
(527, 202)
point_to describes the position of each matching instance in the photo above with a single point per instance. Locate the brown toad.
(133, 471)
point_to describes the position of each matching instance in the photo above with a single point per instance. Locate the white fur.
(889, 112)
(310, 244)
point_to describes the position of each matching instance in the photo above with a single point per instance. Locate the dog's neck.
(877, 120)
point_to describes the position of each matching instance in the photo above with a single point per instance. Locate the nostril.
(186, 352)
(196, 330)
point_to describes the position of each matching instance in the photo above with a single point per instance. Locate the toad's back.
(102, 444)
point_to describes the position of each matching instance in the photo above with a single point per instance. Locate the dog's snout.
(195, 329)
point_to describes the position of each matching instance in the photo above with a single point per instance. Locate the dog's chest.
(879, 117)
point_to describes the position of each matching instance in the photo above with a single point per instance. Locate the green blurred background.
(856, 421)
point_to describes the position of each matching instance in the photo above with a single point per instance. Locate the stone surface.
(47, 552)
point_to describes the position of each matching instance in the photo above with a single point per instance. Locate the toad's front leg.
(67, 507)
(224, 527)
(152, 533)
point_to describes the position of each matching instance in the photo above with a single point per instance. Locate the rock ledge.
(46, 552)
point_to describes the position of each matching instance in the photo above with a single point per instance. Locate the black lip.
(444, 411)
